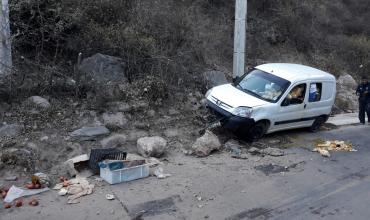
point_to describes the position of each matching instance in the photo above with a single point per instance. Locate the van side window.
(315, 92)
(296, 95)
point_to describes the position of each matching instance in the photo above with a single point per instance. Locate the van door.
(291, 110)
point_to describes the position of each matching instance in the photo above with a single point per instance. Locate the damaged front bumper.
(228, 120)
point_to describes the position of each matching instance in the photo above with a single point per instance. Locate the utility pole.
(239, 37)
(5, 44)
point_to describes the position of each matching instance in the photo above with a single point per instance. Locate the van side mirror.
(236, 80)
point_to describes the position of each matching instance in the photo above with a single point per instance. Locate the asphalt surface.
(300, 185)
(333, 188)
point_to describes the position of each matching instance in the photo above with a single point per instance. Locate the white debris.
(109, 197)
(158, 172)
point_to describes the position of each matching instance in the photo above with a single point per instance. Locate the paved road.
(304, 186)
(335, 188)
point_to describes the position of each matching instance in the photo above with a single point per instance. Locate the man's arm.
(358, 90)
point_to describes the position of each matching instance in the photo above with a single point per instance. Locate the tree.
(5, 40)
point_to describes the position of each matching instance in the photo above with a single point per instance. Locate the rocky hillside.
(175, 41)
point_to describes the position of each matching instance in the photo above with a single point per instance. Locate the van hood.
(235, 97)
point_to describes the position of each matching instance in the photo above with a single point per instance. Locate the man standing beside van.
(363, 93)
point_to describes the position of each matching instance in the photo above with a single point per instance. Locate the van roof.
(295, 72)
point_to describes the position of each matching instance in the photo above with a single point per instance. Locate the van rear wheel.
(315, 127)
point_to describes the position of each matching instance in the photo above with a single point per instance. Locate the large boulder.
(204, 145)
(151, 146)
(39, 102)
(346, 98)
(11, 130)
(114, 120)
(214, 78)
(103, 68)
(90, 133)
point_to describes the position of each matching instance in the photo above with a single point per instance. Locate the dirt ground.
(301, 184)
(197, 186)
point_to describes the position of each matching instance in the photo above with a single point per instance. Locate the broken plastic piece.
(15, 193)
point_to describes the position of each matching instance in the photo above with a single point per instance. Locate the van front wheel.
(257, 131)
(317, 124)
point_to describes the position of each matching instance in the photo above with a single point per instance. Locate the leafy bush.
(174, 41)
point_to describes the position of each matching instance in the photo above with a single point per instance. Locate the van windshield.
(263, 85)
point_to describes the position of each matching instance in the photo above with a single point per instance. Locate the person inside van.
(362, 92)
(315, 92)
(318, 94)
(296, 96)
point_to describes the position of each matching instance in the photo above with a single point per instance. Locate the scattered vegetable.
(18, 203)
(33, 202)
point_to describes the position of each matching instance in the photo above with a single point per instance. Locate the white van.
(274, 97)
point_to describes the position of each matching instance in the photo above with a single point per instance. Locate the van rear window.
(263, 85)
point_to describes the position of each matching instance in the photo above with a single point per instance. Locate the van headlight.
(244, 112)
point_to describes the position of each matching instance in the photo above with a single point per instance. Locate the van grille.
(220, 103)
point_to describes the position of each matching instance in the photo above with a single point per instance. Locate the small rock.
(119, 106)
(240, 156)
(151, 146)
(151, 113)
(274, 141)
(230, 144)
(187, 152)
(273, 152)
(140, 106)
(11, 130)
(171, 133)
(141, 125)
(254, 151)
(116, 120)
(39, 102)
(235, 151)
(11, 178)
(114, 141)
(90, 133)
(173, 112)
(204, 145)
(44, 138)
(4, 107)
(134, 135)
